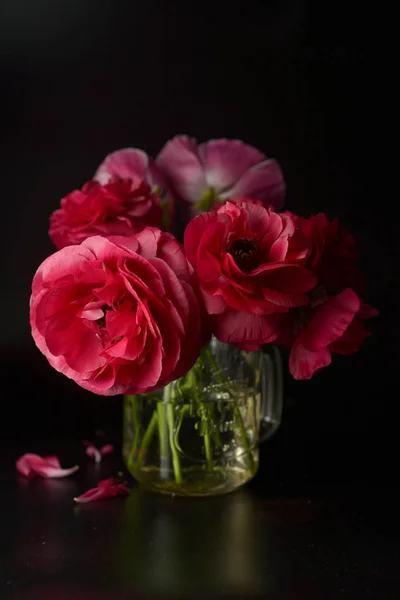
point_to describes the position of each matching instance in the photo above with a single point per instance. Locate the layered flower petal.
(332, 253)
(33, 465)
(108, 488)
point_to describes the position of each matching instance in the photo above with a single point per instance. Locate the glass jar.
(200, 434)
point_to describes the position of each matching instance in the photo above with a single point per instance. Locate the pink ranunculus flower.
(118, 315)
(119, 207)
(248, 272)
(128, 163)
(219, 170)
(334, 325)
(133, 163)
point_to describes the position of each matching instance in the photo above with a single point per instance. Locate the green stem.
(175, 456)
(245, 441)
(183, 412)
(136, 427)
(208, 451)
(216, 434)
(236, 409)
(147, 438)
(163, 432)
(205, 416)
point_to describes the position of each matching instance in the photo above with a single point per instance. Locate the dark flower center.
(245, 254)
(101, 323)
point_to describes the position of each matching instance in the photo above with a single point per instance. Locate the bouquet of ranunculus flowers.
(124, 306)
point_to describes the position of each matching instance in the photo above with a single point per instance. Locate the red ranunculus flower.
(129, 163)
(332, 254)
(120, 207)
(333, 319)
(247, 271)
(118, 315)
(334, 325)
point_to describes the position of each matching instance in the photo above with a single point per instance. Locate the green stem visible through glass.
(136, 428)
(163, 432)
(236, 408)
(147, 438)
(178, 401)
(175, 455)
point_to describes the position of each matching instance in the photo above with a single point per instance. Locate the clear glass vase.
(199, 435)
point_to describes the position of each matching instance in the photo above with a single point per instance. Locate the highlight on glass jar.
(200, 435)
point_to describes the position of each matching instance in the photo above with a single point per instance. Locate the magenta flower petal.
(107, 488)
(241, 328)
(330, 321)
(23, 465)
(126, 163)
(32, 465)
(107, 449)
(303, 363)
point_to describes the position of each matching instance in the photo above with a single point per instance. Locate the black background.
(82, 78)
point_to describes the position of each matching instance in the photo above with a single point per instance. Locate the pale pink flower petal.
(52, 461)
(93, 452)
(263, 182)
(219, 170)
(107, 488)
(180, 162)
(126, 163)
(225, 161)
(32, 465)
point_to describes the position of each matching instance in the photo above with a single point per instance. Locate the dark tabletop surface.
(302, 529)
